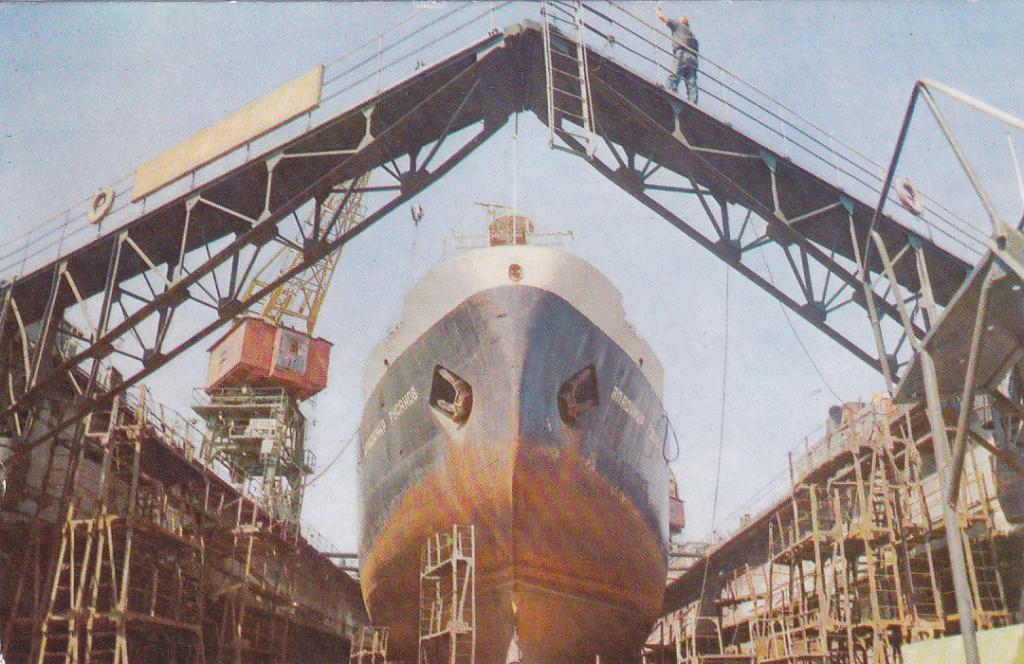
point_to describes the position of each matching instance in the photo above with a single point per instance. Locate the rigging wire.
(415, 239)
(515, 174)
(491, 10)
(416, 50)
(664, 440)
(965, 229)
(381, 49)
(323, 471)
(62, 219)
(721, 436)
(372, 39)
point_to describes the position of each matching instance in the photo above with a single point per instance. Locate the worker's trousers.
(686, 71)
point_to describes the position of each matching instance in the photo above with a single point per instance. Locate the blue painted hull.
(571, 517)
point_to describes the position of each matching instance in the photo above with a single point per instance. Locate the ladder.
(567, 75)
(986, 581)
(448, 598)
(369, 646)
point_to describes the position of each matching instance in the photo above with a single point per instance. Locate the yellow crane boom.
(297, 301)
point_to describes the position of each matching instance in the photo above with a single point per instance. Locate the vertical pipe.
(950, 520)
(967, 398)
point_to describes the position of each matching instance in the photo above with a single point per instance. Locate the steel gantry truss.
(984, 319)
(117, 298)
(666, 152)
(921, 301)
(204, 246)
(123, 290)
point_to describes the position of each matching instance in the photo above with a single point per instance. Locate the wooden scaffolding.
(120, 547)
(855, 561)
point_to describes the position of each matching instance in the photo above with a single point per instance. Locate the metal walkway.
(124, 288)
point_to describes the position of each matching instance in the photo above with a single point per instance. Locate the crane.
(298, 300)
(267, 365)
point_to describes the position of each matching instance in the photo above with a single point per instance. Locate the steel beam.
(241, 211)
(950, 517)
(967, 397)
(674, 154)
(139, 330)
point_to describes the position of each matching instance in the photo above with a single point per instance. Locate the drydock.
(131, 534)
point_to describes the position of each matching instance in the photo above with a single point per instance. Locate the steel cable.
(792, 328)
(21, 252)
(664, 440)
(459, 7)
(323, 471)
(374, 38)
(962, 232)
(721, 440)
(398, 87)
(67, 222)
(965, 229)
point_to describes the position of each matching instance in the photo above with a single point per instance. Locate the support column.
(950, 518)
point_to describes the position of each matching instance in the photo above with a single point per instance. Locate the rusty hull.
(571, 518)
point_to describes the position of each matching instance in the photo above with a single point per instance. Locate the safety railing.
(433, 31)
(645, 48)
(186, 435)
(456, 244)
(753, 508)
(863, 425)
(181, 432)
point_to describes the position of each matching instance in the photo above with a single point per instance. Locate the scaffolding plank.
(1002, 644)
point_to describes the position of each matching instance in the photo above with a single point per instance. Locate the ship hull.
(570, 516)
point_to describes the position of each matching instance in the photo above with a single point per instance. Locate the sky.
(89, 91)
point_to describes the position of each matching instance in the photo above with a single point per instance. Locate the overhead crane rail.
(121, 290)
